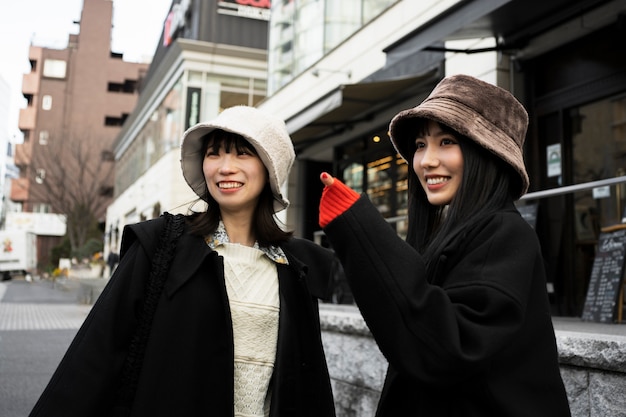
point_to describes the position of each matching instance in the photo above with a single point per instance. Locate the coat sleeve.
(84, 383)
(435, 333)
(322, 266)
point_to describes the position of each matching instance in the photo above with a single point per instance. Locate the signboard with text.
(252, 9)
(606, 278)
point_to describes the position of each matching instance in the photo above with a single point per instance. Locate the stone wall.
(593, 366)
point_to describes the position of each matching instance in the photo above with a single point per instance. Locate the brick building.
(78, 99)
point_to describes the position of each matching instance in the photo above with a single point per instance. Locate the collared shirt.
(219, 237)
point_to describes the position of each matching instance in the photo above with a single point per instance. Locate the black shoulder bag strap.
(161, 261)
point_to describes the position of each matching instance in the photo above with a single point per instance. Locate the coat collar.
(195, 252)
(220, 237)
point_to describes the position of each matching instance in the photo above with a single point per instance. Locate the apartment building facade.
(78, 99)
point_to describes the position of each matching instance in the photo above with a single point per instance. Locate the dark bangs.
(228, 140)
(415, 128)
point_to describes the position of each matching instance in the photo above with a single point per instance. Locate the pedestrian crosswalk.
(26, 316)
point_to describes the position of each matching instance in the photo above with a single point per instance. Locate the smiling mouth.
(229, 185)
(436, 180)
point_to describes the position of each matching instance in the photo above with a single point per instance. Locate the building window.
(44, 135)
(106, 191)
(54, 68)
(42, 208)
(115, 121)
(40, 175)
(301, 32)
(128, 86)
(46, 102)
(107, 156)
(22, 168)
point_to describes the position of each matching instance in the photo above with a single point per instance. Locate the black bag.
(161, 261)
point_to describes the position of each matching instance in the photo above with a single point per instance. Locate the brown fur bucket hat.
(489, 115)
(265, 132)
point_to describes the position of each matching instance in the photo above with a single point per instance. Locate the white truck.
(18, 254)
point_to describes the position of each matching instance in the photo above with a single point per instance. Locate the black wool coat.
(188, 364)
(477, 340)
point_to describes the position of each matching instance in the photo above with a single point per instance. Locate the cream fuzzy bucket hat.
(266, 133)
(489, 115)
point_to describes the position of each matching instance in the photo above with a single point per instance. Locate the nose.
(429, 157)
(227, 165)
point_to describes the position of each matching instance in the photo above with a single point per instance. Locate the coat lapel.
(190, 254)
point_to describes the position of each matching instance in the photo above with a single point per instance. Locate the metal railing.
(573, 188)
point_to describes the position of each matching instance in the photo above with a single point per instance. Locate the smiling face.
(438, 163)
(234, 174)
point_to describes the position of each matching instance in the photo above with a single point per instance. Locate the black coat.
(188, 364)
(478, 340)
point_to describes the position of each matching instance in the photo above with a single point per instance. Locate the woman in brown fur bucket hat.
(460, 309)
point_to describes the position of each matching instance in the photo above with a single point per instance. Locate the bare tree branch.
(70, 174)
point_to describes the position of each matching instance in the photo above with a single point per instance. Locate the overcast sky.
(137, 26)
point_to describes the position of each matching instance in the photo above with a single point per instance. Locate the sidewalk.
(41, 305)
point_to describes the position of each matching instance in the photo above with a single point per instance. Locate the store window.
(372, 166)
(578, 145)
(599, 152)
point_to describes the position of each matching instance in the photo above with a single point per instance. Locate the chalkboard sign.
(606, 277)
(529, 213)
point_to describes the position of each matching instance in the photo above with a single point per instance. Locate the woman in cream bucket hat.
(266, 133)
(460, 309)
(236, 328)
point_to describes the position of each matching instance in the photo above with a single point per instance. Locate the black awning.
(352, 103)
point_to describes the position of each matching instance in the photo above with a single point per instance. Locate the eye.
(449, 141)
(245, 152)
(419, 144)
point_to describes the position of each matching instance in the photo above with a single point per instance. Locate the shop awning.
(351, 103)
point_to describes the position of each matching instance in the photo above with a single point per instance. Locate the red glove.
(336, 198)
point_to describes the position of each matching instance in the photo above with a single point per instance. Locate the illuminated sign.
(251, 9)
(175, 20)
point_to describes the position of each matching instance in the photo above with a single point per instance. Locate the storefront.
(577, 97)
(563, 61)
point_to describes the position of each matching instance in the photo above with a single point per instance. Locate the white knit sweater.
(252, 287)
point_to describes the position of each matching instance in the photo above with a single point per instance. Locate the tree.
(74, 177)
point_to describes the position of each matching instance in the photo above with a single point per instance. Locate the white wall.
(162, 184)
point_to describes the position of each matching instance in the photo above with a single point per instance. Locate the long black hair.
(264, 225)
(488, 183)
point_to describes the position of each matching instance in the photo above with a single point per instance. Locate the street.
(37, 323)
